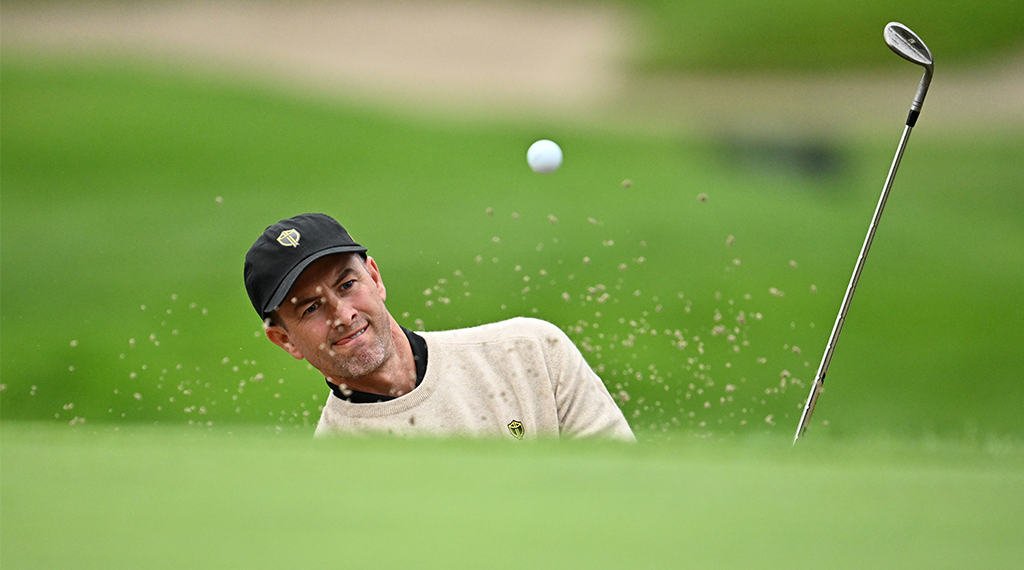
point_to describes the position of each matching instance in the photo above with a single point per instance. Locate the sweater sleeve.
(585, 408)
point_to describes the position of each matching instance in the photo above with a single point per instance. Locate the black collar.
(419, 354)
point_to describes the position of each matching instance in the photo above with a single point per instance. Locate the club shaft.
(826, 359)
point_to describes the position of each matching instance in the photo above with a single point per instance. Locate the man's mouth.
(352, 337)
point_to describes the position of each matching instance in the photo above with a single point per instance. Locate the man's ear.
(371, 268)
(279, 336)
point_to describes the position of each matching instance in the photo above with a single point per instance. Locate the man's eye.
(310, 309)
(348, 284)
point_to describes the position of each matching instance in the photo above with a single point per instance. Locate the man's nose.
(341, 313)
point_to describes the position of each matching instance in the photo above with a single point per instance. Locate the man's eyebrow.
(341, 278)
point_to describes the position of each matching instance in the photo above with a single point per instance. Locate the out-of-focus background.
(722, 162)
(722, 165)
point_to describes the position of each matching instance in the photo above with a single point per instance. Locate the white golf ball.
(544, 156)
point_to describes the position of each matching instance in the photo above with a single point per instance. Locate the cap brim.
(289, 280)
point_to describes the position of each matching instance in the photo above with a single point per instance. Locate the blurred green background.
(694, 245)
(806, 35)
(131, 192)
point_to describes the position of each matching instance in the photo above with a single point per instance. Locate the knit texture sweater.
(521, 378)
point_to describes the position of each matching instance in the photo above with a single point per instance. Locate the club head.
(907, 45)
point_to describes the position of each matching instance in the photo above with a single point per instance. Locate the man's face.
(334, 317)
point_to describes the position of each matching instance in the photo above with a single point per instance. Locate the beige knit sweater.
(520, 378)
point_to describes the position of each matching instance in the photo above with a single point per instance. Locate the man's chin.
(358, 366)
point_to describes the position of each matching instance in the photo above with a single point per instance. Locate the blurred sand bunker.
(470, 53)
(462, 57)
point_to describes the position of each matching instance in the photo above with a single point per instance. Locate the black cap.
(285, 250)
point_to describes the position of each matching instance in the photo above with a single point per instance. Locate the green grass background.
(745, 35)
(130, 193)
(126, 187)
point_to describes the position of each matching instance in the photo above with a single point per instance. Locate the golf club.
(907, 45)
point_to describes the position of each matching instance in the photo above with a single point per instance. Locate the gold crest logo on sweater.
(515, 427)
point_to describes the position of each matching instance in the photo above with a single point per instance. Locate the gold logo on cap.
(289, 238)
(515, 427)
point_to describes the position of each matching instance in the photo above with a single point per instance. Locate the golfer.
(322, 299)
